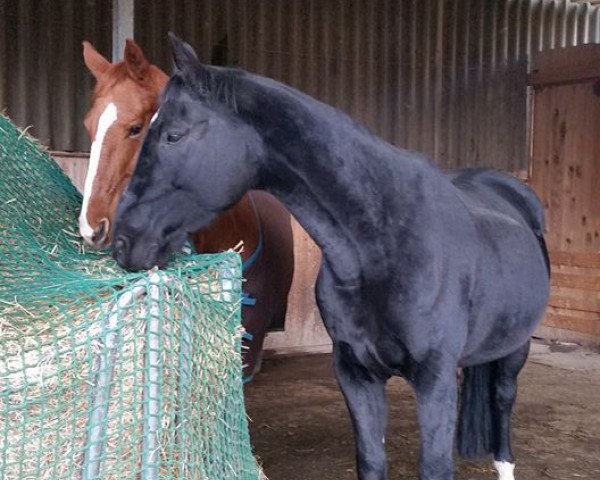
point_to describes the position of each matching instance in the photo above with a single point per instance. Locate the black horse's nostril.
(121, 245)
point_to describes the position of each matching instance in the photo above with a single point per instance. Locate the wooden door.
(565, 172)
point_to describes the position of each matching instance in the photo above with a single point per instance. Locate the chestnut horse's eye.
(174, 137)
(135, 130)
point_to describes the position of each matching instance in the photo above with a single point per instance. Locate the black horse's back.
(514, 191)
(522, 197)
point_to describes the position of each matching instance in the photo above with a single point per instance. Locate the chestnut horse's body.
(125, 98)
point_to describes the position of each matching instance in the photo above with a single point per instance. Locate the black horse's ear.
(184, 55)
(186, 61)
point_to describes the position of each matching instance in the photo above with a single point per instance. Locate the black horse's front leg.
(365, 397)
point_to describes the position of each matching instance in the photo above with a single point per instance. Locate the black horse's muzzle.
(121, 247)
(136, 255)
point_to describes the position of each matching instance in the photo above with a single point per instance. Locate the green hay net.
(106, 374)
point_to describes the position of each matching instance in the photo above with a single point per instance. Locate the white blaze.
(154, 116)
(108, 117)
(506, 470)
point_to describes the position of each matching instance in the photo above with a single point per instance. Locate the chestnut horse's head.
(125, 98)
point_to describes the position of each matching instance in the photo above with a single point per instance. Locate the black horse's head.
(198, 159)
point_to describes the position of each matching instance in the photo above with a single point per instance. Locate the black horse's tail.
(537, 225)
(475, 436)
(544, 248)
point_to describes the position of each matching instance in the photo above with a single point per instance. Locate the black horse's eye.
(135, 130)
(174, 137)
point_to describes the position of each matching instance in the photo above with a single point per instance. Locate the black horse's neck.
(336, 178)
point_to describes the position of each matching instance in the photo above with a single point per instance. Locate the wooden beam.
(575, 259)
(563, 335)
(574, 299)
(565, 65)
(122, 26)
(579, 281)
(588, 326)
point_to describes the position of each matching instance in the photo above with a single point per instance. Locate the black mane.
(213, 86)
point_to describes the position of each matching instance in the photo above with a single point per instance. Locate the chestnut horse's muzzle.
(100, 236)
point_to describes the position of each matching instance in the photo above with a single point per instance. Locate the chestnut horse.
(125, 98)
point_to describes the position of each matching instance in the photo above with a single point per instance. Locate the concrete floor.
(301, 430)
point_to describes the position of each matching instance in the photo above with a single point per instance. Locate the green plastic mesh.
(103, 373)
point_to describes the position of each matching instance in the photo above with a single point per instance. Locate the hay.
(37, 373)
(86, 386)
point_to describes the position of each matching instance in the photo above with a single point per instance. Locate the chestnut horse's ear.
(137, 65)
(95, 62)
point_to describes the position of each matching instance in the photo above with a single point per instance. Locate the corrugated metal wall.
(43, 81)
(446, 77)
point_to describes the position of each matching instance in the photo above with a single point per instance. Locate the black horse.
(422, 272)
